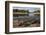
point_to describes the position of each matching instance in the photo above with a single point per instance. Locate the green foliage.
(23, 11)
(38, 11)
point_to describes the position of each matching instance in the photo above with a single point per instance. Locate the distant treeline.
(23, 11)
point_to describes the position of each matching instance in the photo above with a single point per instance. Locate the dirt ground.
(21, 23)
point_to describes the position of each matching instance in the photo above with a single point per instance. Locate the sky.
(31, 9)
